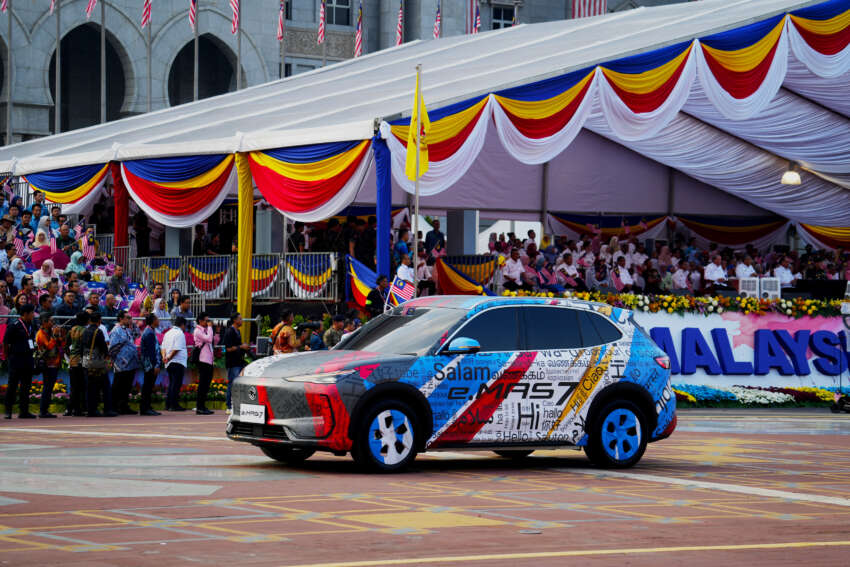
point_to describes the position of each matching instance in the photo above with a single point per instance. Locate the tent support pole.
(671, 193)
(150, 73)
(544, 198)
(383, 202)
(10, 73)
(58, 72)
(195, 76)
(103, 62)
(244, 240)
(239, 47)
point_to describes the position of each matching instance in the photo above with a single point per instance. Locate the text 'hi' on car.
(507, 374)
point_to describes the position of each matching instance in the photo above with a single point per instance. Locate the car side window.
(495, 329)
(596, 330)
(551, 328)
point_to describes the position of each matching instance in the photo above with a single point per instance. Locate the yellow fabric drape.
(244, 241)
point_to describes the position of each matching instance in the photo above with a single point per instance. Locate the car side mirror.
(463, 345)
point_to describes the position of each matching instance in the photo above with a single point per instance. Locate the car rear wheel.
(385, 439)
(287, 454)
(517, 455)
(617, 436)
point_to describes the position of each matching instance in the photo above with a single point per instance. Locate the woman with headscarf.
(665, 258)
(43, 276)
(16, 268)
(76, 264)
(160, 309)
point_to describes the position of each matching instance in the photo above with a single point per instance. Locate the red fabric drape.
(122, 206)
(176, 202)
(740, 85)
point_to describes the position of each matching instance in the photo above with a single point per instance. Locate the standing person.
(76, 373)
(377, 297)
(49, 345)
(234, 352)
(333, 335)
(116, 284)
(285, 340)
(183, 308)
(434, 237)
(18, 345)
(174, 356)
(96, 364)
(205, 340)
(151, 363)
(125, 361)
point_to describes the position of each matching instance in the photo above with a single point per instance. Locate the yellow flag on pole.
(420, 115)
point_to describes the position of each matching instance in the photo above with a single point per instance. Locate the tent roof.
(344, 101)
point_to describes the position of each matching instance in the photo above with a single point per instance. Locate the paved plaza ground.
(761, 487)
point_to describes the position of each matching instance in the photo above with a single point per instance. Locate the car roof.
(479, 302)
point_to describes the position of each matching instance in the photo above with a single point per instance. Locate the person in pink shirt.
(205, 340)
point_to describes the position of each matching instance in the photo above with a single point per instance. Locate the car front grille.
(257, 430)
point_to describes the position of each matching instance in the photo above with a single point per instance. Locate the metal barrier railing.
(266, 277)
(121, 254)
(310, 276)
(208, 275)
(105, 242)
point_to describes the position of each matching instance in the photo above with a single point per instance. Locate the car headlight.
(324, 378)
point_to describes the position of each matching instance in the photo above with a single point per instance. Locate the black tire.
(617, 436)
(287, 454)
(514, 454)
(387, 444)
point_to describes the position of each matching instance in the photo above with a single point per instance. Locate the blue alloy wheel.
(621, 434)
(390, 437)
(617, 435)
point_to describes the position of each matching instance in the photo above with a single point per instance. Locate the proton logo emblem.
(252, 393)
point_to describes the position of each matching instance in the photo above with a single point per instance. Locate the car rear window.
(551, 328)
(595, 330)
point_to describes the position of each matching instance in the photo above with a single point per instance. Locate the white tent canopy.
(718, 164)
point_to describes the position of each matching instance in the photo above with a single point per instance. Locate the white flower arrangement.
(759, 397)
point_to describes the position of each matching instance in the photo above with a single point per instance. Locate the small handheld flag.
(400, 291)
(420, 112)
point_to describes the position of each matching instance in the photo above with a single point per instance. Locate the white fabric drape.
(828, 91)
(441, 174)
(826, 66)
(535, 151)
(715, 158)
(739, 109)
(790, 127)
(628, 125)
(766, 241)
(188, 220)
(85, 204)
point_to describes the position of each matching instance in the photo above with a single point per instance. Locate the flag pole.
(57, 100)
(197, 23)
(415, 256)
(239, 46)
(150, 87)
(10, 70)
(102, 61)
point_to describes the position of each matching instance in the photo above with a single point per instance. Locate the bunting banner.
(162, 270)
(75, 187)
(308, 275)
(573, 227)
(311, 183)
(452, 281)
(180, 191)
(476, 268)
(735, 232)
(360, 280)
(209, 275)
(825, 236)
(263, 274)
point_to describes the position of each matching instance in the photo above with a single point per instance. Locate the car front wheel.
(618, 436)
(385, 439)
(287, 454)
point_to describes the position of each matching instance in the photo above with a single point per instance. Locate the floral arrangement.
(705, 305)
(751, 395)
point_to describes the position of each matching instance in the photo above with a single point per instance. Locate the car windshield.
(403, 330)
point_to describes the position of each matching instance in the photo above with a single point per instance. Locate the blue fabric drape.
(171, 169)
(65, 179)
(641, 62)
(824, 11)
(547, 88)
(442, 112)
(740, 38)
(383, 202)
(311, 153)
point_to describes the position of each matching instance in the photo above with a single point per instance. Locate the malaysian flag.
(585, 8)
(52, 5)
(146, 13)
(358, 35)
(476, 23)
(320, 35)
(437, 22)
(20, 245)
(78, 231)
(399, 28)
(4, 5)
(400, 291)
(53, 248)
(193, 8)
(90, 8)
(281, 15)
(88, 246)
(234, 24)
(141, 294)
